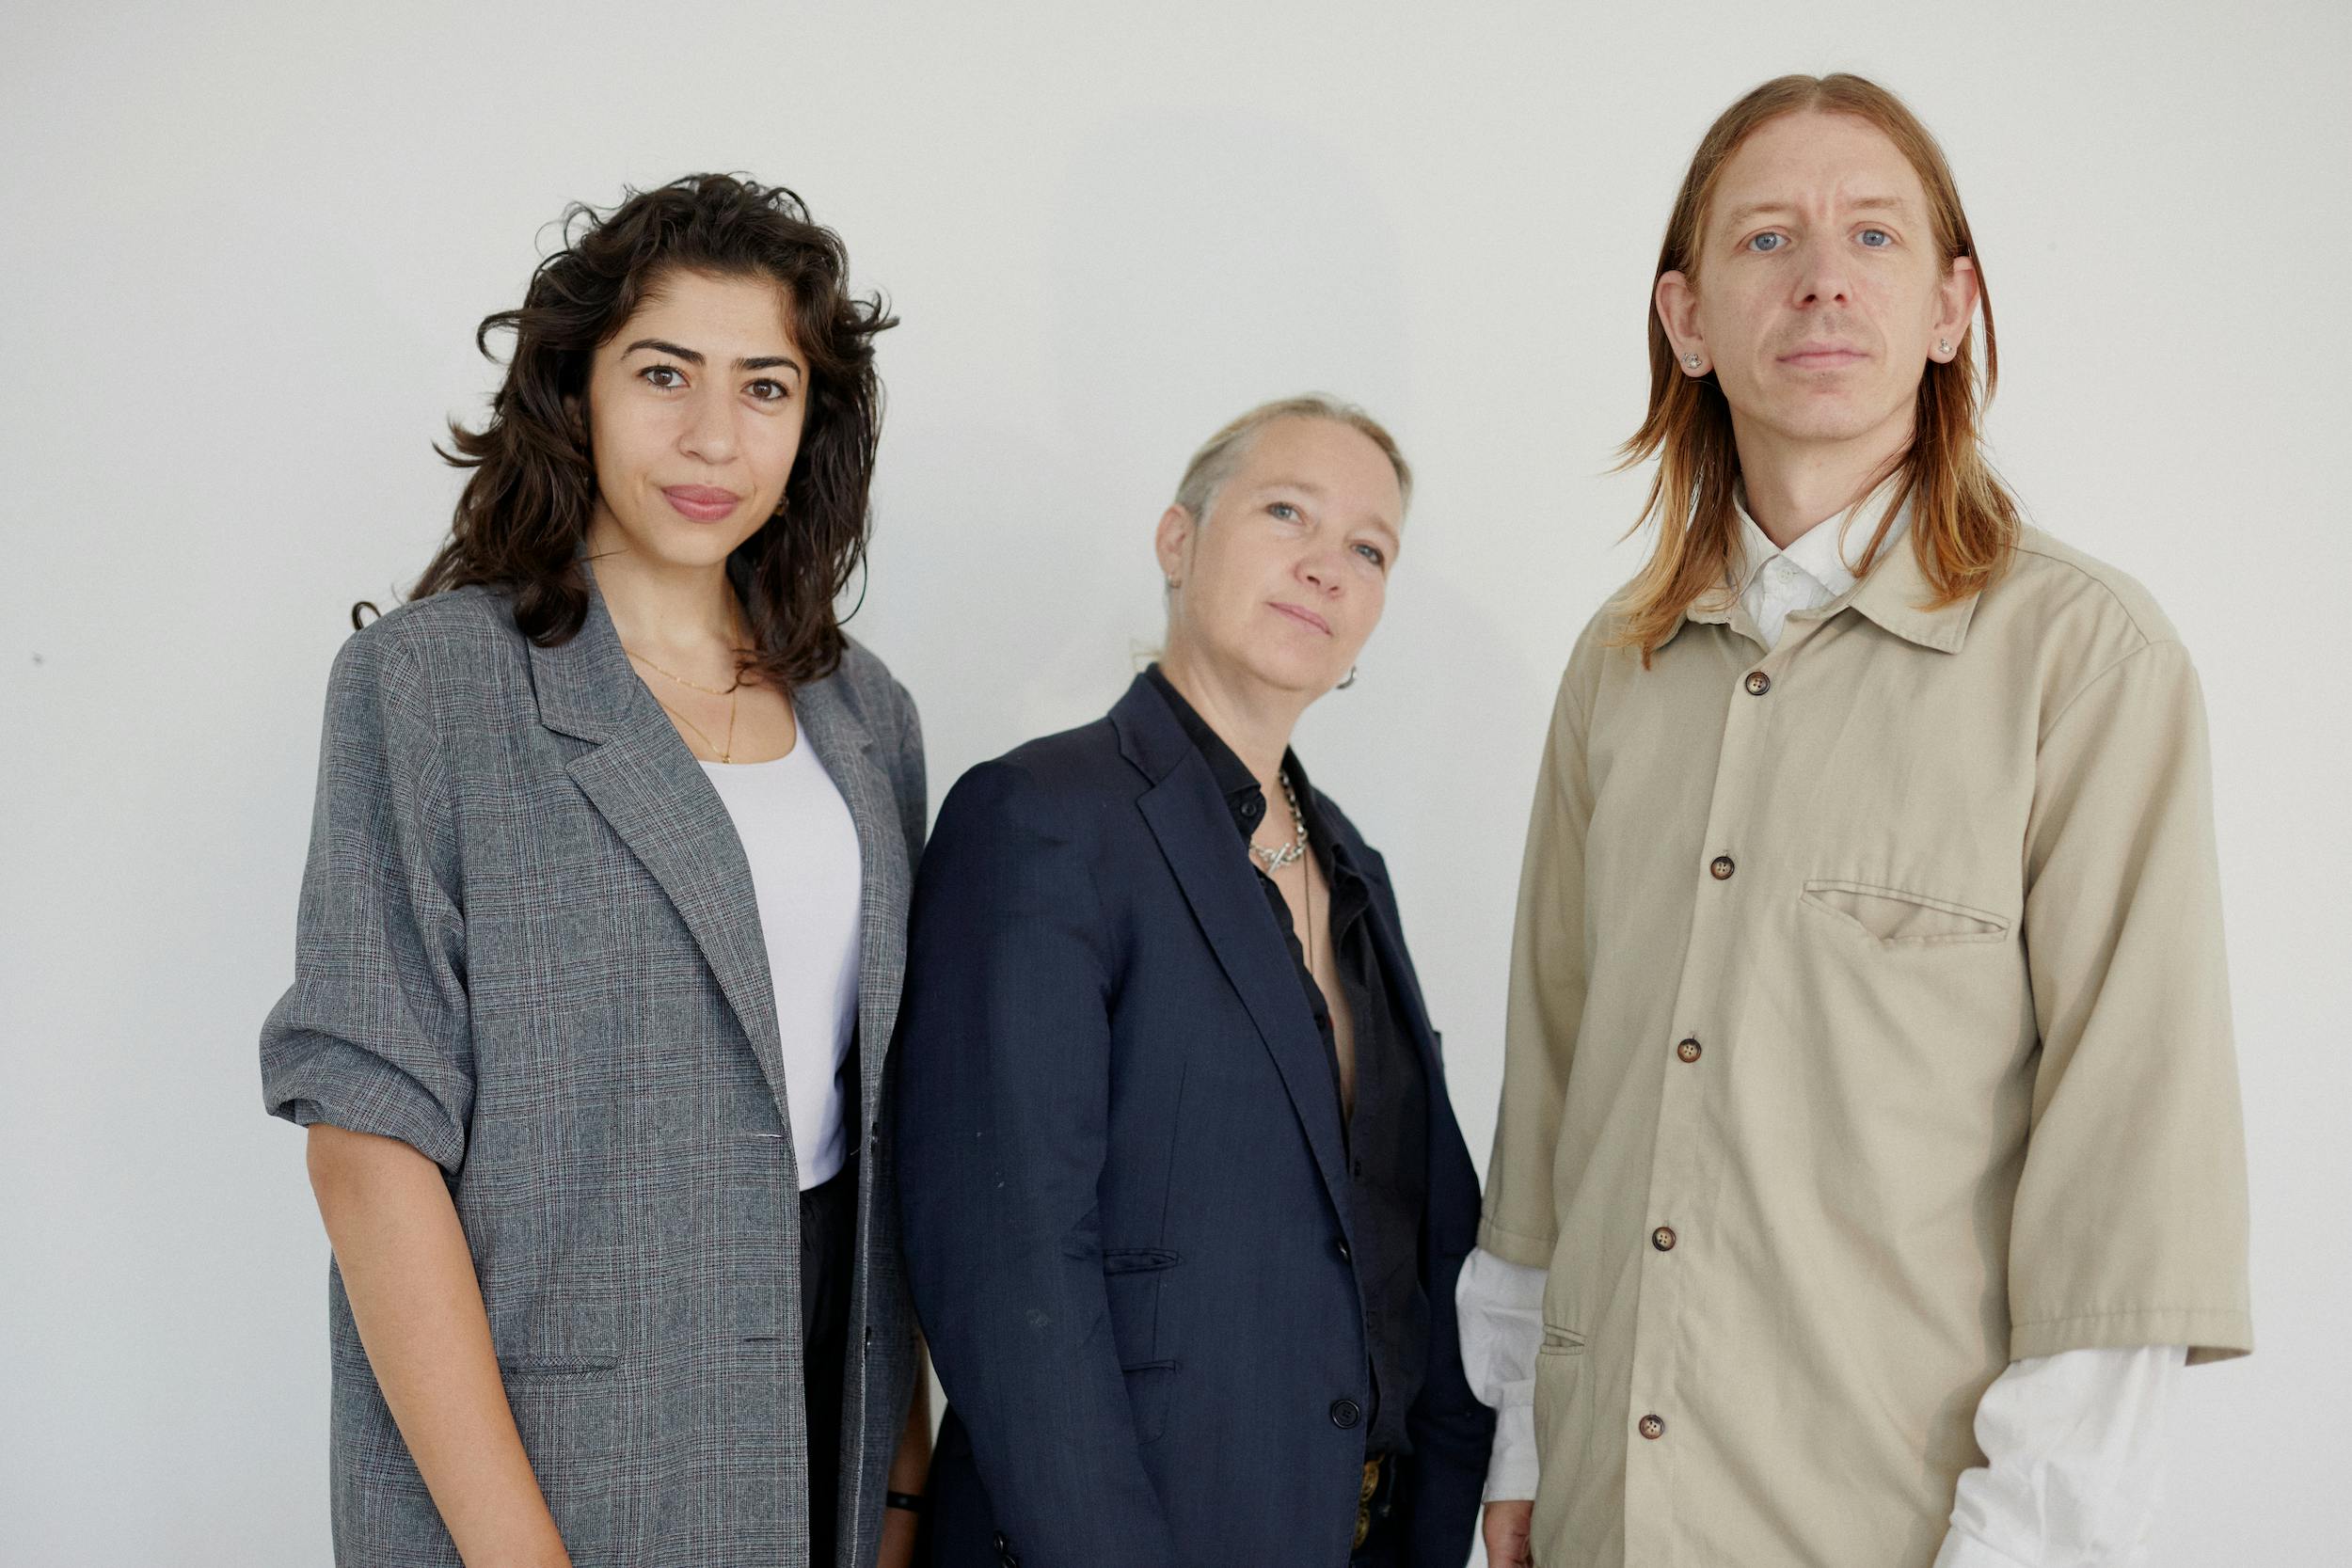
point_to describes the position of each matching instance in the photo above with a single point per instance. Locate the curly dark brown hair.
(526, 504)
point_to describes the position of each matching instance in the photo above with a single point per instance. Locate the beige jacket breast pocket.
(1900, 916)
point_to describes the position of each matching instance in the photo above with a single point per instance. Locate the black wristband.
(911, 1502)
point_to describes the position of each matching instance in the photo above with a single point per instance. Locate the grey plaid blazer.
(528, 947)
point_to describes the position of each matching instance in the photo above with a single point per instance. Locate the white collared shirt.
(1776, 583)
(2071, 1440)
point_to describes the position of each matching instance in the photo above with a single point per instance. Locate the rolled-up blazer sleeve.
(1002, 1107)
(373, 1035)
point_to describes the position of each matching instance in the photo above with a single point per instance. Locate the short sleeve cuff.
(317, 1078)
(1530, 1252)
(2211, 1334)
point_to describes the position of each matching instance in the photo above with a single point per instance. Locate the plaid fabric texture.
(528, 946)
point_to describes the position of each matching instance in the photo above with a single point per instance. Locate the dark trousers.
(828, 1262)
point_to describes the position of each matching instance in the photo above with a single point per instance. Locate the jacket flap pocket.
(1135, 1260)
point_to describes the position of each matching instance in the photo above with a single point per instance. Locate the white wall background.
(242, 248)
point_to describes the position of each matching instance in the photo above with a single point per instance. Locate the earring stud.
(1692, 361)
(1943, 345)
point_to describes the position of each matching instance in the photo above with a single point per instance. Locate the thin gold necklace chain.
(726, 753)
(664, 670)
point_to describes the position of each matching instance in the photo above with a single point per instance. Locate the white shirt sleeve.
(2073, 1444)
(1501, 1308)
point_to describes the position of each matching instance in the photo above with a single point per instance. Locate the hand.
(1507, 1525)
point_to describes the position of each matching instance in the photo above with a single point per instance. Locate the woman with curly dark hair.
(600, 943)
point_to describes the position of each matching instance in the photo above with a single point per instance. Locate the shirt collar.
(1234, 780)
(1244, 799)
(1893, 594)
(1820, 551)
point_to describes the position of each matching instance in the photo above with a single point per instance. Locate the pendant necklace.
(1274, 860)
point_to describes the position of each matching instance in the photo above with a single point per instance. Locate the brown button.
(1722, 868)
(1653, 1427)
(1759, 683)
(1687, 1051)
(1662, 1237)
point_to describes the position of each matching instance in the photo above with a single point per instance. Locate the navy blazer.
(1122, 1171)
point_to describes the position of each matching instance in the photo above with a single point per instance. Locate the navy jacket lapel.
(653, 794)
(1194, 831)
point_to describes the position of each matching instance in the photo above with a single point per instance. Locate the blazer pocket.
(1135, 1279)
(1898, 916)
(574, 1420)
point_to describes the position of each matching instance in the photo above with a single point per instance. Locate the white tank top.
(802, 845)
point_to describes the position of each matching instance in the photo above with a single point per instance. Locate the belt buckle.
(1363, 1498)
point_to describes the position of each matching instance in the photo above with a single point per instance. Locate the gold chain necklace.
(664, 670)
(725, 753)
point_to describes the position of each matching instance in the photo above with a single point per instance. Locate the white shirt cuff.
(2074, 1448)
(1511, 1473)
(1499, 1306)
(1967, 1551)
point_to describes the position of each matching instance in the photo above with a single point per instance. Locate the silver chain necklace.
(1274, 860)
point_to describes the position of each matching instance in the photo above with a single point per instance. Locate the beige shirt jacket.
(1868, 1031)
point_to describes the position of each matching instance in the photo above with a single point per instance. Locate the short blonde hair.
(1222, 452)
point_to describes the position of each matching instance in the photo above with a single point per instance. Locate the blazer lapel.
(1196, 833)
(844, 747)
(651, 792)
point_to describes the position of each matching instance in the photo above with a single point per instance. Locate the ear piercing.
(1692, 361)
(1943, 345)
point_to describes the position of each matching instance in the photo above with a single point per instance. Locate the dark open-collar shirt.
(1388, 1135)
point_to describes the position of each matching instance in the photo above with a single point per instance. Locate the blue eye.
(1371, 554)
(1764, 245)
(1283, 510)
(1877, 239)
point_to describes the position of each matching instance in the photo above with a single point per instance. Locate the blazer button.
(1653, 1427)
(1759, 683)
(1662, 1237)
(1346, 1414)
(1689, 1050)
(1722, 867)
(1339, 1244)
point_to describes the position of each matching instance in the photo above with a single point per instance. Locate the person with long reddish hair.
(1869, 1158)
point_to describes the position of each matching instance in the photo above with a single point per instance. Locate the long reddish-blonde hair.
(1964, 519)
